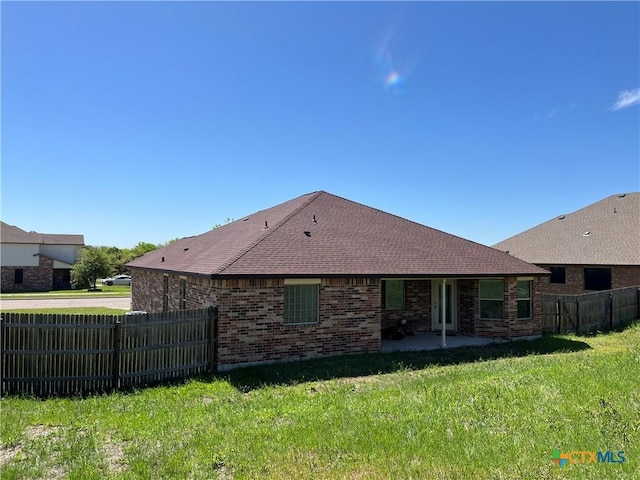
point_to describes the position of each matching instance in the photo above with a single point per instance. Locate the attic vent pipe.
(561, 217)
(314, 219)
(163, 259)
(266, 225)
(622, 195)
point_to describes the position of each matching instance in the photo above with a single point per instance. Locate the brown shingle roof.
(613, 237)
(13, 234)
(347, 238)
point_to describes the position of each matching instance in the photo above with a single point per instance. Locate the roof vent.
(245, 219)
(561, 217)
(586, 234)
(615, 210)
(314, 220)
(622, 195)
(307, 233)
(163, 259)
(266, 225)
(185, 249)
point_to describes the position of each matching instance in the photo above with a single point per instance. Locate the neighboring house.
(320, 275)
(595, 248)
(34, 261)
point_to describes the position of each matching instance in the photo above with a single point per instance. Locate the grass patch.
(103, 291)
(70, 311)
(494, 412)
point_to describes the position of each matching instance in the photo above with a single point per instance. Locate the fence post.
(638, 304)
(577, 315)
(115, 366)
(558, 314)
(213, 338)
(611, 311)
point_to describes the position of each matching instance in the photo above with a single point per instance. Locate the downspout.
(443, 313)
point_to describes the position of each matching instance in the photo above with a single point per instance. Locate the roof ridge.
(572, 214)
(593, 204)
(261, 238)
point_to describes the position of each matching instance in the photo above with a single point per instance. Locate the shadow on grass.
(620, 327)
(291, 373)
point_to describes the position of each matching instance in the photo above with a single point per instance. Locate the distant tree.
(142, 248)
(130, 254)
(92, 264)
(119, 257)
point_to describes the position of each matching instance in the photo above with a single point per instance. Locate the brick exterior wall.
(252, 329)
(466, 306)
(511, 326)
(251, 326)
(34, 279)
(147, 291)
(621, 277)
(417, 311)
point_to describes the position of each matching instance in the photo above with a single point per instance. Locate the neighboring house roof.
(13, 234)
(604, 233)
(322, 234)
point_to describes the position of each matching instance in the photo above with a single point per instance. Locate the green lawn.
(495, 412)
(103, 291)
(70, 310)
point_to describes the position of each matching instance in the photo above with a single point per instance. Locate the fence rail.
(53, 354)
(590, 312)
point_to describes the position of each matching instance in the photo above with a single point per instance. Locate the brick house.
(34, 261)
(320, 275)
(594, 248)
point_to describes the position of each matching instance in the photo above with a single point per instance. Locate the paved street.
(116, 302)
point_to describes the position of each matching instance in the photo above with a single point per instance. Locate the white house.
(34, 261)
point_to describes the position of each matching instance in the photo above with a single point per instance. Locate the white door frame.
(451, 307)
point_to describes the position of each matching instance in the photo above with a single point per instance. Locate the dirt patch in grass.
(38, 431)
(8, 453)
(114, 455)
(32, 433)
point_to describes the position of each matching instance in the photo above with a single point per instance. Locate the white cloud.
(627, 98)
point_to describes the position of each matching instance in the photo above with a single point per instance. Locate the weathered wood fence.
(45, 355)
(590, 312)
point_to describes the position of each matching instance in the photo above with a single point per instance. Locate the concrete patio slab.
(431, 341)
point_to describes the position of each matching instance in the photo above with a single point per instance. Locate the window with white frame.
(524, 299)
(301, 301)
(393, 294)
(492, 299)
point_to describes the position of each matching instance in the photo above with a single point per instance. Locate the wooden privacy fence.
(47, 355)
(590, 312)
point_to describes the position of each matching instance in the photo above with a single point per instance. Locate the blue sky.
(148, 121)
